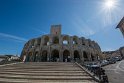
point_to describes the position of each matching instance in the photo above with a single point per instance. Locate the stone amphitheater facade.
(57, 47)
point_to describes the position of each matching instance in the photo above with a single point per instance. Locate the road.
(115, 72)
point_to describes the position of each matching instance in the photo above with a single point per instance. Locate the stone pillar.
(82, 58)
(49, 54)
(61, 56)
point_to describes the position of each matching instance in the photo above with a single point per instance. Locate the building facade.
(121, 26)
(57, 47)
(117, 53)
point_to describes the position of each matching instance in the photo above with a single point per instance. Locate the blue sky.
(21, 20)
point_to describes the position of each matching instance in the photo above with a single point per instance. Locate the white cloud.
(12, 37)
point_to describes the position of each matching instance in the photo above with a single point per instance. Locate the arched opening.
(75, 40)
(44, 56)
(55, 40)
(85, 56)
(55, 56)
(66, 56)
(76, 56)
(38, 41)
(92, 57)
(65, 40)
(46, 40)
(83, 43)
(89, 45)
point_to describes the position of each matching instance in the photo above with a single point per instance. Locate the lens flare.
(109, 9)
(109, 4)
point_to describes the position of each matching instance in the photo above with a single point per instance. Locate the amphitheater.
(53, 58)
(57, 47)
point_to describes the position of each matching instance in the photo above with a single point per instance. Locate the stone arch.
(55, 55)
(76, 55)
(44, 56)
(46, 40)
(83, 42)
(75, 40)
(38, 41)
(66, 56)
(85, 56)
(65, 40)
(55, 40)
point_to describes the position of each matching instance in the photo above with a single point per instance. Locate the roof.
(120, 23)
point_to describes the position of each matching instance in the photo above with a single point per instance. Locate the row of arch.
(44, 57)
(55, 40)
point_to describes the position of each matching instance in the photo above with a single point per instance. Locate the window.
(55, 40)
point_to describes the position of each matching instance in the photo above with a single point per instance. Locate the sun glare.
(108, 9)
(109, 3)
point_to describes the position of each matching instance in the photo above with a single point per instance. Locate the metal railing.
(98, 75)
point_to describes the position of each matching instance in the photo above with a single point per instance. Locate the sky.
(21, 20)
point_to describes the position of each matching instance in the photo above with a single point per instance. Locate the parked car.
(104, 62)
(112, 61)
(92, 64)
(118, 58)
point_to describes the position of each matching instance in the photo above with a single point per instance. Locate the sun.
(110, 4)
(109, 10)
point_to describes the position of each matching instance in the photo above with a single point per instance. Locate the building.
(9, 57)
(121, 26)
(121, 49)
(111, 54)
(13, 58)
(3, 58)
(117, 53)
(57, 47)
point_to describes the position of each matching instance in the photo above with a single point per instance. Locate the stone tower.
(56, 29)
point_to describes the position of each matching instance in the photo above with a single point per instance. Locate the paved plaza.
(115, 72)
